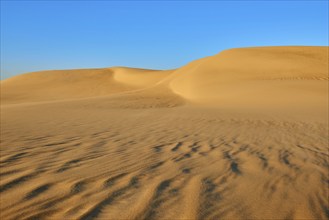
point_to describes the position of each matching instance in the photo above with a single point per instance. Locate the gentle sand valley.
(239, 135)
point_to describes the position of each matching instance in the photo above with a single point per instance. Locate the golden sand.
(239, 135)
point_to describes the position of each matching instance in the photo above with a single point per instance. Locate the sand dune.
(239, 135)
(72, 84)
(274, 77)
(140, 77)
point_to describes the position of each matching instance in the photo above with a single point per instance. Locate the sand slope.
(273, 77)
(72, 84)
(239, 135)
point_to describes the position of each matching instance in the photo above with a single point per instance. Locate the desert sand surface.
(239, 135)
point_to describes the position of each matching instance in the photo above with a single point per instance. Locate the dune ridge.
(225, 79)
(71, 84)
(242, 134)
(236, 77)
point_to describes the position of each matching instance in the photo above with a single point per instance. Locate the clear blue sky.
(39, 35)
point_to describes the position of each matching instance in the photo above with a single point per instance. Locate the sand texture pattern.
(239, 135)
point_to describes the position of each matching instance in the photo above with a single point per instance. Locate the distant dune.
(272, 77)
(239, 135)
(80, 83)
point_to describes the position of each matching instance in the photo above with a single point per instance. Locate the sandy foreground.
(239, 135)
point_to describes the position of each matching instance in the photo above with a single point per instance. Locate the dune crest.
(140, 77)
(259, 77)
(76, 84)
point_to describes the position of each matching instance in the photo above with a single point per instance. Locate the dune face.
(239, 135)
(264, 77)
(73, 84)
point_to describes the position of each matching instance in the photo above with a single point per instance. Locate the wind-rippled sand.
(240, 135)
